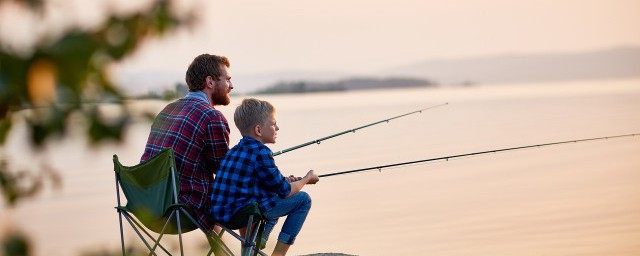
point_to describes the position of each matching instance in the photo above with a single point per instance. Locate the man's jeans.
(296, 209)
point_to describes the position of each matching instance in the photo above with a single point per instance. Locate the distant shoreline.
(305, 86)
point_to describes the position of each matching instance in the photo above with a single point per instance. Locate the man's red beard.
(221, 98)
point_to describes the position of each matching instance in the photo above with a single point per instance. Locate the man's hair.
(250, 113)
(203, 66)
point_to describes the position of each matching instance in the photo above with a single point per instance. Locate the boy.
(248, 174)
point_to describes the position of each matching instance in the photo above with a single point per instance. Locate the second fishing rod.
(492, 151)
(317, 141)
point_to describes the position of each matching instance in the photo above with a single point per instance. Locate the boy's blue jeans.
(296, 209)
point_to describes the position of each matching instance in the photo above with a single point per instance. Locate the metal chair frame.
(249, 246)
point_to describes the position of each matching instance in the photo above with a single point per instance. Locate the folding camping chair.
(151, 189)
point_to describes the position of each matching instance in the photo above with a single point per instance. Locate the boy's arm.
(296, 186)
(269, 176)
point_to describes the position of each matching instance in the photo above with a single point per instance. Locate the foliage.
(67, 75)
(15, 244)
(23, 184)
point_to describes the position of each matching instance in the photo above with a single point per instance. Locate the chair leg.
(246, 245)
(254, 234)
(217, 243)
(139, 235)
(213, 238)
(157, 242)
(235, 235)
(242, 240)
(256, 238)
(179, 232)
(119, 211)
(250, 244)
(260, 233)
(121, 232)
(129, 219)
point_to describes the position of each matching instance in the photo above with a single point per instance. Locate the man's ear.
(209, 82)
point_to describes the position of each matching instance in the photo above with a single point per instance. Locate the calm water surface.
(576, 199)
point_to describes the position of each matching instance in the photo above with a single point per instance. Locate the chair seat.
(241, 218)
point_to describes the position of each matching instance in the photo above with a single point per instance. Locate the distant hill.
(246, 83)
(604, 64)
(344, 85)
(615, 63)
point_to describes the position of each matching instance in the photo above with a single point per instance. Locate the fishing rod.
(472, 154)
(353, 130)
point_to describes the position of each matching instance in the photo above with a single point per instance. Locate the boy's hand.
(312, 177)
(292, 178)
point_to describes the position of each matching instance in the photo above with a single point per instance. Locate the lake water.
(572, 199)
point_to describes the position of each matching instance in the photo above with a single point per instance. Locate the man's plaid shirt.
(247, 174)
(199, 136)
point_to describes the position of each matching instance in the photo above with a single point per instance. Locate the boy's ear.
(257, 130)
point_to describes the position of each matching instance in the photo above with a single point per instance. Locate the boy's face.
(269, 130)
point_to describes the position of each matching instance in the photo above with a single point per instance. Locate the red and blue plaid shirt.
(247, 174)
(199, 137)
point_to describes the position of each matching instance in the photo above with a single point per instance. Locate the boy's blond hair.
(250, 113)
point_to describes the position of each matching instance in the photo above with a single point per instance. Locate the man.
(197, 132)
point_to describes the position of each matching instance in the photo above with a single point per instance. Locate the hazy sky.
(364, 36)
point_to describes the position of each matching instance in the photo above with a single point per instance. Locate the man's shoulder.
(200, 108)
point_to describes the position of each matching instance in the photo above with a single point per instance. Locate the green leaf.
(5, 126)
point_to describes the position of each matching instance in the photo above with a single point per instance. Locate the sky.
(367, 35)
(361, 36)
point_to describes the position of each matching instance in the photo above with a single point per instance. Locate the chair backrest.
(149, 189)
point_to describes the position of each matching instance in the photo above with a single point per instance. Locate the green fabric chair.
(151, 192)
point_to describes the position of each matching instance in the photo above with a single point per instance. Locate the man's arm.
(216, 142)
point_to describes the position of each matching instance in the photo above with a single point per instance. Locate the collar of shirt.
(198, 95)
(248, 140)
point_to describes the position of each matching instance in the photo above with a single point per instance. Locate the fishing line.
(353, 130)
(447, 158)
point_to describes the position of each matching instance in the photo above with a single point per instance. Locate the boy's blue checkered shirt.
(247, 174)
